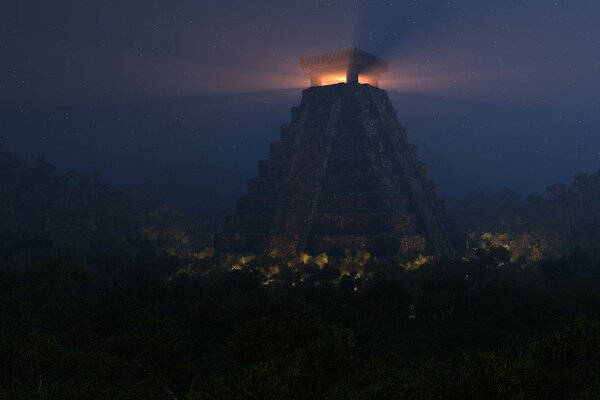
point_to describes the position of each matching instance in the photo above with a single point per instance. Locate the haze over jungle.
(190, 212)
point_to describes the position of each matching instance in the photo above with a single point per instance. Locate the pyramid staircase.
(342, 177)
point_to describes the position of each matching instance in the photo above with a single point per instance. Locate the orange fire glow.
(368, 79)
(332, 79)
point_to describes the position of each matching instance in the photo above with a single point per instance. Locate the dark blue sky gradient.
(182, 97)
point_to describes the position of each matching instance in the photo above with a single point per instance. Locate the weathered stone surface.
(337, 244)
(257, 204)
(361, 202)
(363, 223)
(265, 185)
(412, 244)
(274, 167)
(357, 182)
(249, 223)
(341, 177)
(379, 244)
(278, 150)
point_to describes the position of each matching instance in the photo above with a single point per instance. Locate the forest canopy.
(104, 295)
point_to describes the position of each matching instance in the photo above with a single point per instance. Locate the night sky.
(181, 98)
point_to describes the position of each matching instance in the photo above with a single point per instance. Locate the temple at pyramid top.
(346, 66)
(342, 176)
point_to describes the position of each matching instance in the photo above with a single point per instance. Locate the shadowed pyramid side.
(342, 177)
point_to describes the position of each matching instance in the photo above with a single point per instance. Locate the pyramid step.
(296, 111)
(359, 182)
(257, 204)
(249, 223)
(265, 185)
(239, 242)
(364, 224)
(284, 128)
(278, 150)
(361, 202)
(411, 244)
(349, 164)
(274, 167)
(347, 144)
(339, 244)
(374, 244)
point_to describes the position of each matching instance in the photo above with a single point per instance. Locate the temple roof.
(341, 60)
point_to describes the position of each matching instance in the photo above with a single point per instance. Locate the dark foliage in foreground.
(130, 324)
(103, 296)
(537, 226)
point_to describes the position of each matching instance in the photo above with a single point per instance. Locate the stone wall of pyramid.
(341, 177)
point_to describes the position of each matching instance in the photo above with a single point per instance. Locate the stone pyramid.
(342, 176)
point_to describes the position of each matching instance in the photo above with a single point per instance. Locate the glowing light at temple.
(332, 79)
(347, 66)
